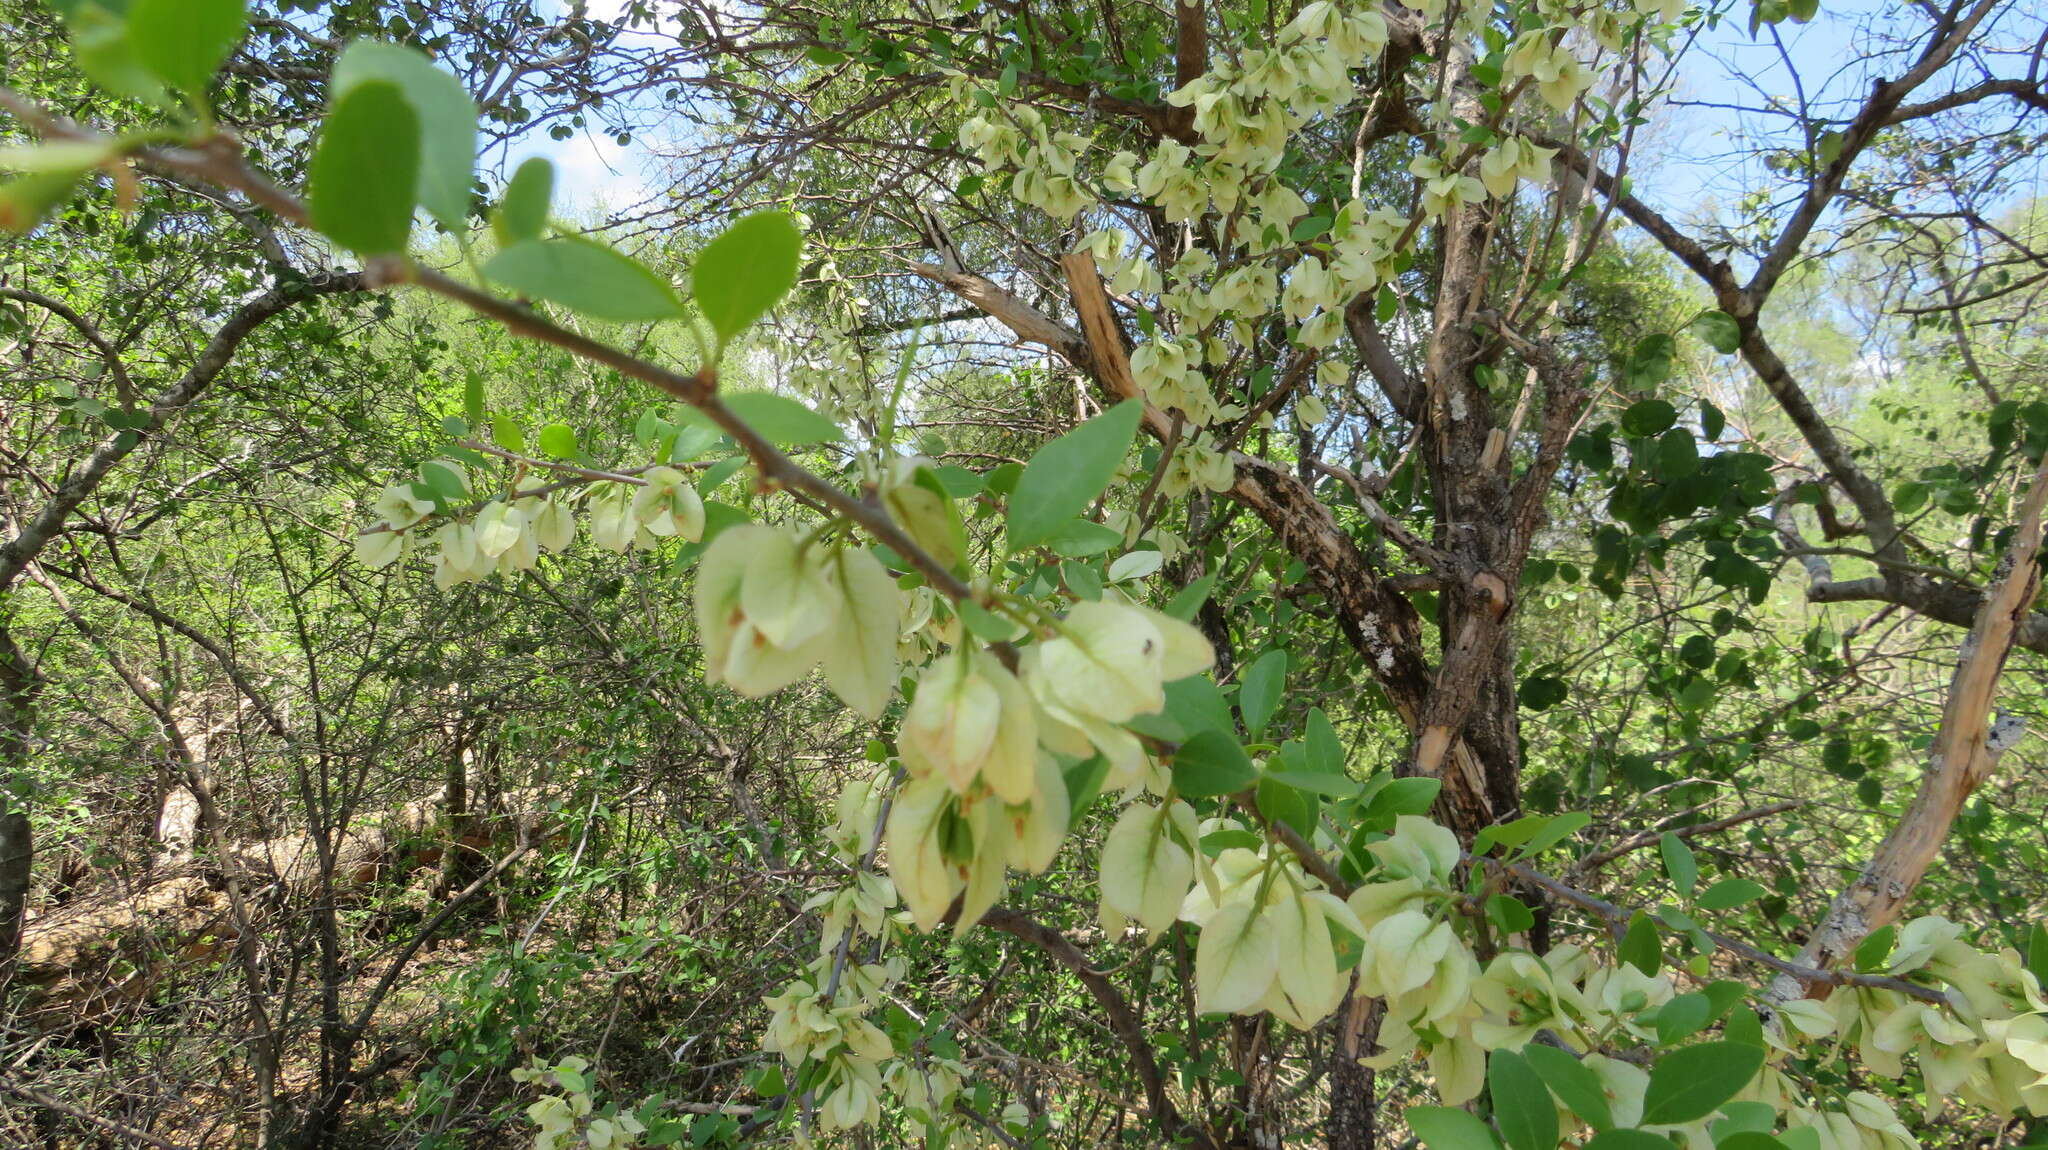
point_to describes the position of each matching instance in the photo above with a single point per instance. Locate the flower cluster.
(508, 535)
(985, 792)
(772, 605)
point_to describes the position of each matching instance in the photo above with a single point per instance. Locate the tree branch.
(1964, 753)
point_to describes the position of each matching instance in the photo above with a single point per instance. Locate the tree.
(1324, 358)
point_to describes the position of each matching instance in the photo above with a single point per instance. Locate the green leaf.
(717, 474)
(1325, 753)
(1575, 1086)
(766, 1080)
(1411, 796)
(1723, 994)
(365, 170)
(1509, 834)
(1692, 1082)
(1650, 364)
(1308, 228)
(1682, 1017)
(1068, 473)
(473, 399)
(105, 51)
(62, 156)
(1542, 692)
(746, 271)
(1741, 1117)
(1211, 763)
(1647, 417)
(1282, 802)
(1509, 914)
(1730, 892)
(1679, 863)
(1189, 599)
(780, 419)
(1079, 538)
(442, 480)
(1084, 783)
(1318, 782)
(1002, 479)
(26, 201)
(1521, 1104)
(1448, 1128)
(557, 440)
(1641, 947)
(1556, 831)
(1744, 1026)
(446, 115)
(1719, 331)
(1801, 1138)
(1749, 1140)
(1258, 695)
(1196, 703)
(1624, 1138)
(523, 211)
(185, 41)
(586, 277)
(506, 434)
(2037, 952)
(1712, 422)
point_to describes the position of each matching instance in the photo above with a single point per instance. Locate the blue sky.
(1689, 166)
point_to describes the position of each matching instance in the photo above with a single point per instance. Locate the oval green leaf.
(365, 170)
(1679, 863)
(1692, 1082)
(523, 211)
(746, 271)
(185, 41)
(1730, 892)
(1647, 417)
(1626, 1138)
(587, 278)
(1068, 473)
(1448, 1128)
(1258, 695)
(1521, 1104)
(1719, 330)
(1211, 763)
(779, 419)
(446, 114)
(1575, 1085)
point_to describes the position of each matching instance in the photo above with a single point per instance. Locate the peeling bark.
(1965, 751)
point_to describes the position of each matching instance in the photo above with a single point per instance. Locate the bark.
(16, 849)
(1353, 1119)
(18, 683)
(177, 825)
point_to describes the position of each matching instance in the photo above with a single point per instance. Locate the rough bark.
(1353, 1120)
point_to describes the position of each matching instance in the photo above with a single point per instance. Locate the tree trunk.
(1353, 1120)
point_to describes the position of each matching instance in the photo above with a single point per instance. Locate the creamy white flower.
(973, 721)
(669, 506)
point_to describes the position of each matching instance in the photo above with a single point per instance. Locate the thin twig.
(1596, 860)
(38, 1098)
